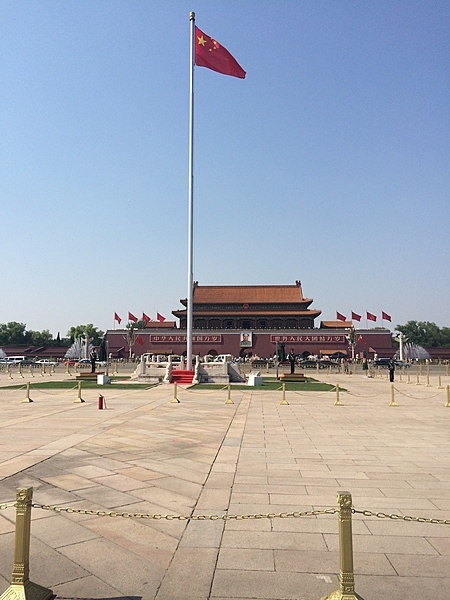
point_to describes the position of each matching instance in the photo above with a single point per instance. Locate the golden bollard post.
(337, 401)
(27, 397)
(9, 372)
(21, 587)
(346, 589)
(175, 394)
(440, 386)
(284, 401)
(409, 378)
(79, 398)
(418, 380)
(19, 370)
(393, 402)
(229, 400)
(448, 397)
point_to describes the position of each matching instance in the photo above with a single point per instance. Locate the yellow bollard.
(284, 401)
(337, 402)
(418, 380)
(392, 402)
(21, 587)
(346, 573)
(409, 378)
(79, 398)
(27, 397)
(448, 397)
(19, 370)
(440, 386)
(31, 371)
(115, 371)
(175, 392)
(229, 400)
(9, 372)
(428, 380)
(267, 367)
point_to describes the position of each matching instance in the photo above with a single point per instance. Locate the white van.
(16, 360)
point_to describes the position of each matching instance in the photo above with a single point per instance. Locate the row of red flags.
(134, 319)
(369, 316)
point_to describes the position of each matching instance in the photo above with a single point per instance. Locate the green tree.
(41, 338)
(14, 333)
(425, 334)
(95, 335)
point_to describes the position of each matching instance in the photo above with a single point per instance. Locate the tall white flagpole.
(190, 282)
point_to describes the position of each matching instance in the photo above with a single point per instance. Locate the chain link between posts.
(225, 517)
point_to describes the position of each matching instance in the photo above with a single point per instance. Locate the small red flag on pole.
(356, 317)
(131, 317)
(340, 317)
(371, 317)
(117, 318)
(385, 316)
(160, 318)
(145, 318)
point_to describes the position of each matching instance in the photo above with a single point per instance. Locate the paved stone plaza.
(145, 454)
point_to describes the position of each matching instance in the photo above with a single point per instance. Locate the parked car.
(401, 364)
(83, 362)
(309, 363)
(46, 362)
(324, 363)
(382, 362)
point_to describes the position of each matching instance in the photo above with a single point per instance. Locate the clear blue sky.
(329, 163)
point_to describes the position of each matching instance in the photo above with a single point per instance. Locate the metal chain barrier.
(24, 503)
(394, 517)
(416, 397)
(225, 517)
(363, 396)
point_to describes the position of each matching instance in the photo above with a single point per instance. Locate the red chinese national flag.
(160, 318)
(140, 340)
(145, 318)
(385, 316)
(131, 317)
(117, 318)
(210, 54)
(340, 317)
(356, 317)
(370, 317)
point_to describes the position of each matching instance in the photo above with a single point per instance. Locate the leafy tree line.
(422, 333)
(16, 334)
(425, 334)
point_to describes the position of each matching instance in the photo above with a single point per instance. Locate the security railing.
(22, 587)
